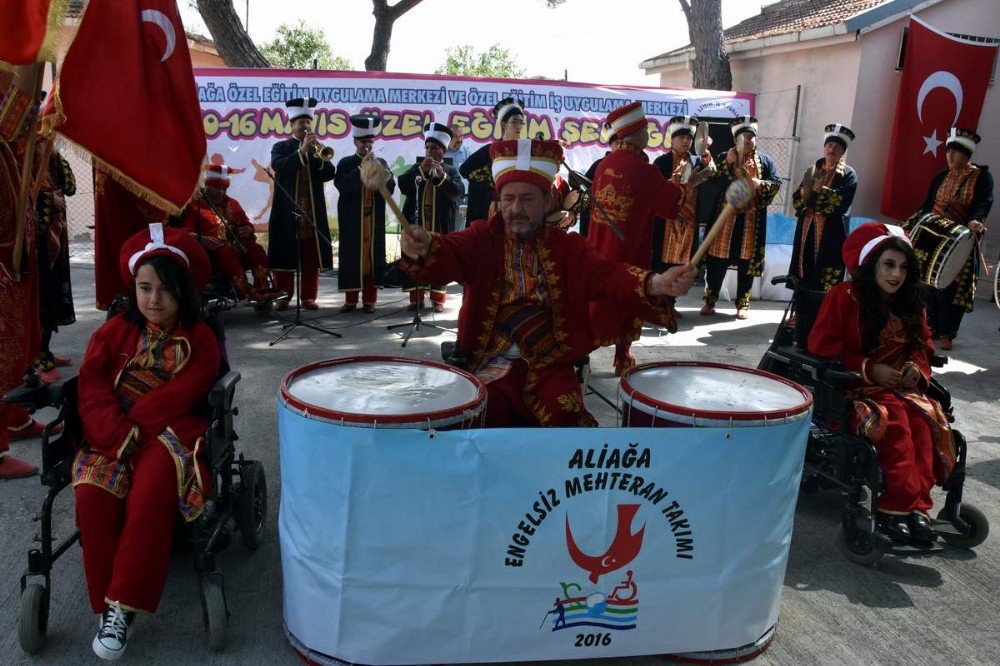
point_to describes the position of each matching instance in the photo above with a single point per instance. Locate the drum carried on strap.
(385, 392)
(942, 245)
(690, 394)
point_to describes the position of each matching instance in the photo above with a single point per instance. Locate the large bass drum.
(385, 392)
(942, 245)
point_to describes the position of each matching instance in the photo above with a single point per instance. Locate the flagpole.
(34, 80)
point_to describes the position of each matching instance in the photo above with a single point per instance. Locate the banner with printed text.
(488, 545)
(244, 115)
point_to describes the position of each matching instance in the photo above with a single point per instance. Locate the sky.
(582, 38)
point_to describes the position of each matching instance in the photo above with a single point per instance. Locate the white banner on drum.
(507, 545)
(244, 116)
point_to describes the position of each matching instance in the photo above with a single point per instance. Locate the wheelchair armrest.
(789, 281)
(838, 377)
(221, 395)
(939, 360)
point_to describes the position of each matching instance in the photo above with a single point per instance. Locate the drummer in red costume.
(220, 224)
(633, 192)
(876, 326)
(142, 385)
(962, 193)
(524, 320)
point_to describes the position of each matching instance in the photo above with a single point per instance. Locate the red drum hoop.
(729, 395)
(405, 393)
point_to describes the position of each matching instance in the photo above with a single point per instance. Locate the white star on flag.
(931, 144)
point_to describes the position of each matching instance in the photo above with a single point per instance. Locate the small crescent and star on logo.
(160, 20)
(938, 79)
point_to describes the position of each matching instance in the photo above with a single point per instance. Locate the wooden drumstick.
(372, 177)
(738, 194)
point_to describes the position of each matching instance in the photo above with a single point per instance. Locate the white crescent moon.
(604, 560)
(940, 79)
(160, 19)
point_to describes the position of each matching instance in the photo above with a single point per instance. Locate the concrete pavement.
(925, 611)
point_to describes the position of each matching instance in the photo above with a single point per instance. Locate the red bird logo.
(623, 549)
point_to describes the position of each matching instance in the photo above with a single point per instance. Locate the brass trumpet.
(325, 153)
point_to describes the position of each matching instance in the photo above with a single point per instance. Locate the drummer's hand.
(977, 227)
(415, 242)
(675, 281)
(885, 375)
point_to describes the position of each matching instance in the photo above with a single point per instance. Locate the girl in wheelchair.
(875, 325)
(142, 388)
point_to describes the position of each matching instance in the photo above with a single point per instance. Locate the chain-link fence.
(80, 206)
(782, 150)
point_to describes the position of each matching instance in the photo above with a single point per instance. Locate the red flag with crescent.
(943, 85)
(126, 93)
(29, 31)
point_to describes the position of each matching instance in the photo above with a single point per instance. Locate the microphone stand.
(417, 320)
(298, 214)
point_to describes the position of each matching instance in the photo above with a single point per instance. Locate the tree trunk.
(710, 68)
(385, 16)
(231, 38)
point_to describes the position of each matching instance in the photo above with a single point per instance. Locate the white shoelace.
(115, 622)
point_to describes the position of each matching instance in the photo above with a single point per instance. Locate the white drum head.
(383, 388)
(704, 393)
(954, 256)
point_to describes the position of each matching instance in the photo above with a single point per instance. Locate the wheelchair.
(237, 502)
(837, 459)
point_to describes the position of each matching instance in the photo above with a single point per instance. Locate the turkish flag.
(126, 93)
(943, 86)
(29, 31)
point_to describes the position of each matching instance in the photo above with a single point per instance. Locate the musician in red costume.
(962, 193)
(875, 325)
(633, 193)
(524, 320)
(219, 223)
(19, 321)
(142, 385)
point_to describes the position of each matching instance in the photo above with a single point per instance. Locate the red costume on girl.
(140, 387)
(909, 430)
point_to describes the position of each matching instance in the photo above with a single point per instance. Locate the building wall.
(827, 92)
(878, 87)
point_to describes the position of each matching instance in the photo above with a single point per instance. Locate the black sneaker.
(116, 625)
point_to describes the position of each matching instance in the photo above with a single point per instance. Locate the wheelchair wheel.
(859, 547)
(33, 617)
(216, 618)
(252, 510)
(976, 520)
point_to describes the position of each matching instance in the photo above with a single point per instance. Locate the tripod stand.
(297, 320)
(417, 320)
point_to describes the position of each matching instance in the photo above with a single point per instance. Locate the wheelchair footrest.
(945, 527)
(909, 550)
